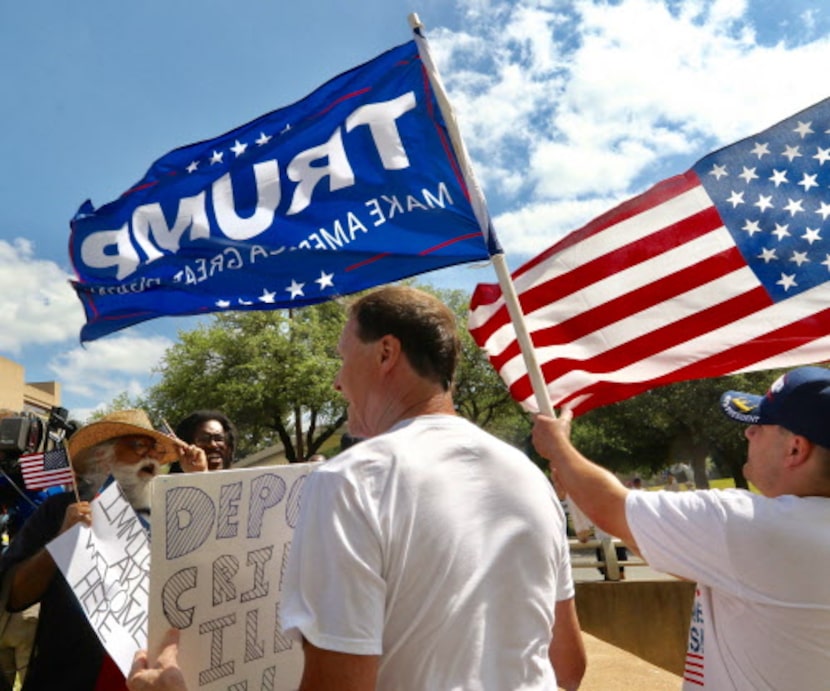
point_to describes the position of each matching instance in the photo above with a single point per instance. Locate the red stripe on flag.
(584, 275)
(422, 253)
(658, 195)
(37, 477)
(447, 243)
(366, 262)
(739, 357)
(650, 343)
(663, 240)
(335, 102)
(631, 303)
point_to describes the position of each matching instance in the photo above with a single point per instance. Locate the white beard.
(134, 483)
(134, 479)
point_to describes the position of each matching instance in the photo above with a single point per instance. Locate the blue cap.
(798, 401)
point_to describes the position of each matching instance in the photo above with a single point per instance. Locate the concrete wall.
(647, 618)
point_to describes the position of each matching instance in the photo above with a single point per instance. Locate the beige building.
(18, 395)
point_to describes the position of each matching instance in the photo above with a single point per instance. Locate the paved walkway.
(613, 669)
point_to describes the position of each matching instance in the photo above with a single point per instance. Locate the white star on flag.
(708, 273)
(296, 289)
(325, 280)
(787, 281)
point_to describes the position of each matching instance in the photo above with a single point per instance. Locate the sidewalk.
(613, 669)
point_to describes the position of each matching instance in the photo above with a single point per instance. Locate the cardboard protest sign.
(108, 566)
(220, 541)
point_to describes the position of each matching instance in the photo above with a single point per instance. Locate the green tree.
(122, 401)
(271, 372)
(681, 421)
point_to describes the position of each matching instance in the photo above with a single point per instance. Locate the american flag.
(720, 270)
(44, 470)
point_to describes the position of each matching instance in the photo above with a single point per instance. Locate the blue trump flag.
(354, 186)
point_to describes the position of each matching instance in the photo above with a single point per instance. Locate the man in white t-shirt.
(431, 555)
(761, 615)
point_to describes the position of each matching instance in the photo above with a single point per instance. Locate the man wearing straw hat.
(67, 653)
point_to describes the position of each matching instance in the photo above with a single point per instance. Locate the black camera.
(21, 434)
(27, 433)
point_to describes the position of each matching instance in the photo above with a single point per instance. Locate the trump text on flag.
(354, 186)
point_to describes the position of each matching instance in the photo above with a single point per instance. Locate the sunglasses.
(142, 445)
(206, 438)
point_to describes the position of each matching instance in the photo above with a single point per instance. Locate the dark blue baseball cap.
(798, 401)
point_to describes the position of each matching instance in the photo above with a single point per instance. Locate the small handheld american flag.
(46, 469)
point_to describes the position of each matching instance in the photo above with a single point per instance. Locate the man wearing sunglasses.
(67, 653)
(212, 431)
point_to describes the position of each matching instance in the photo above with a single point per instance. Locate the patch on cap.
(742, 407)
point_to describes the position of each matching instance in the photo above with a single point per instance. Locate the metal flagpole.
(511, 299)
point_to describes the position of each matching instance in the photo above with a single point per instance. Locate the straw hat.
(119, 424)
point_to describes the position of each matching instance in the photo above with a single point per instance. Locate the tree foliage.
(271, 372)
(678, 422)
(122, 401)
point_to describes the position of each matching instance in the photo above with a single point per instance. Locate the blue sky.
(567, 108)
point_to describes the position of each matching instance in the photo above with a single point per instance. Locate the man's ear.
(389, 350)
(799, 451)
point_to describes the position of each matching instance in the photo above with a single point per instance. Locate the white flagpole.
(514, 309)
(511, 300)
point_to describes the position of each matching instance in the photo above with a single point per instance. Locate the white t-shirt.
(761, 615)
(437, 547)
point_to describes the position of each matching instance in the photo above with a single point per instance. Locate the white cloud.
(535, 226)
(568, 106)
(110, 366)
(693, 70)
(39, 308)
(37, 304)
(809, 18)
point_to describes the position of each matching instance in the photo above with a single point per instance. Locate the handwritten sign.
(108, 566)
(220, 541)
